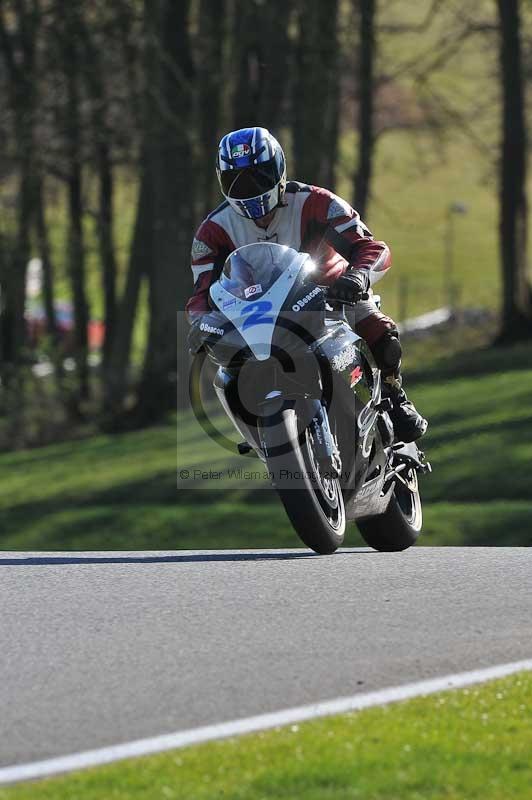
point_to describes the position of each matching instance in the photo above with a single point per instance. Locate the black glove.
(195, 337)
(351, 287)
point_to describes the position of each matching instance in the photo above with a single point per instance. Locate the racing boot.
(408, 424)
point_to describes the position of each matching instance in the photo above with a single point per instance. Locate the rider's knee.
(381, 334)
(387, 350)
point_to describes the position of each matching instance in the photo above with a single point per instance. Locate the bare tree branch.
(421, 27)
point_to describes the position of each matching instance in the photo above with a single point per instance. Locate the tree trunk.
(14, 261)
(5, 326)
(246, 63)
(106, 245)
(47, 267)
(210, 95)
(17, 45)
(275, 61)
(262, 61)
(52, 329)
(517, 301)
(16, 284)
(366, 96)
(329, 167)
(76, 269)
(116, 377)
(70, 36)
(101, 135)
(170, 173)
(315, 109)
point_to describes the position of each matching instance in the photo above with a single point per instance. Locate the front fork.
(325, 444)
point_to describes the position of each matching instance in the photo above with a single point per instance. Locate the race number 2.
(257, 314)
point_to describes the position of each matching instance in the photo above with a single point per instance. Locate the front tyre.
(400, 525)
(312, 499)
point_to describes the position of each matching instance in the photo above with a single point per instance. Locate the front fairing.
(265, 302)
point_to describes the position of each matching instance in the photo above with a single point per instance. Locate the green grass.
(470, 744)
(480, 444)
(119, 492)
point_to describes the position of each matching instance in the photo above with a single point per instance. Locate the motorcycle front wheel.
(400, 525)
(311, 497)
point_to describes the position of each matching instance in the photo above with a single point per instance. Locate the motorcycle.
(304, 392)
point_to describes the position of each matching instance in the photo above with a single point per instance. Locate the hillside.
(120, 492)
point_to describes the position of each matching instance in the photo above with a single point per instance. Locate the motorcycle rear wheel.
(313, 502)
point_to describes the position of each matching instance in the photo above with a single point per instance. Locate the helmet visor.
(248, 182)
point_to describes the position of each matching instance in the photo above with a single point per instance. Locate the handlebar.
(358, 299)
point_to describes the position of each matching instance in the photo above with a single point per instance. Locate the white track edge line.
(171, 741)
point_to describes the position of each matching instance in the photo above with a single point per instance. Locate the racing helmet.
(251, 171)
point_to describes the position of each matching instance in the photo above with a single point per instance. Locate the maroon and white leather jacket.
(312, 220)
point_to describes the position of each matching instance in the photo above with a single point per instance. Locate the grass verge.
(456, 745)
(120, 492)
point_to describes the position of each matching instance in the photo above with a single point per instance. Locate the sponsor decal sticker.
(344, 359)
(366, 422)
(356, 376)
(251, 291)
(211, 329)
(304, 300)
(229, 303)
(240, 150)
(200, 250)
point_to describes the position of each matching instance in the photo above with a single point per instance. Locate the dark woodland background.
(111, 113)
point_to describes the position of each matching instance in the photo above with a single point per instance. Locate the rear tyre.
(312, 499)
(400, 525)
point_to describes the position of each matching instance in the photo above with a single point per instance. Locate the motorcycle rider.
(260, 205)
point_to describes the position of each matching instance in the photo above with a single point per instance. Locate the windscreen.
(251, 270)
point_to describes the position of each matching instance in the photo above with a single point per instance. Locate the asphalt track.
(98, 649)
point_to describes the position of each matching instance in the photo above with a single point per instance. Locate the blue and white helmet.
(251, 170)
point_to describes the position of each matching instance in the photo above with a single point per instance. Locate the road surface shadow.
(34, 561)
